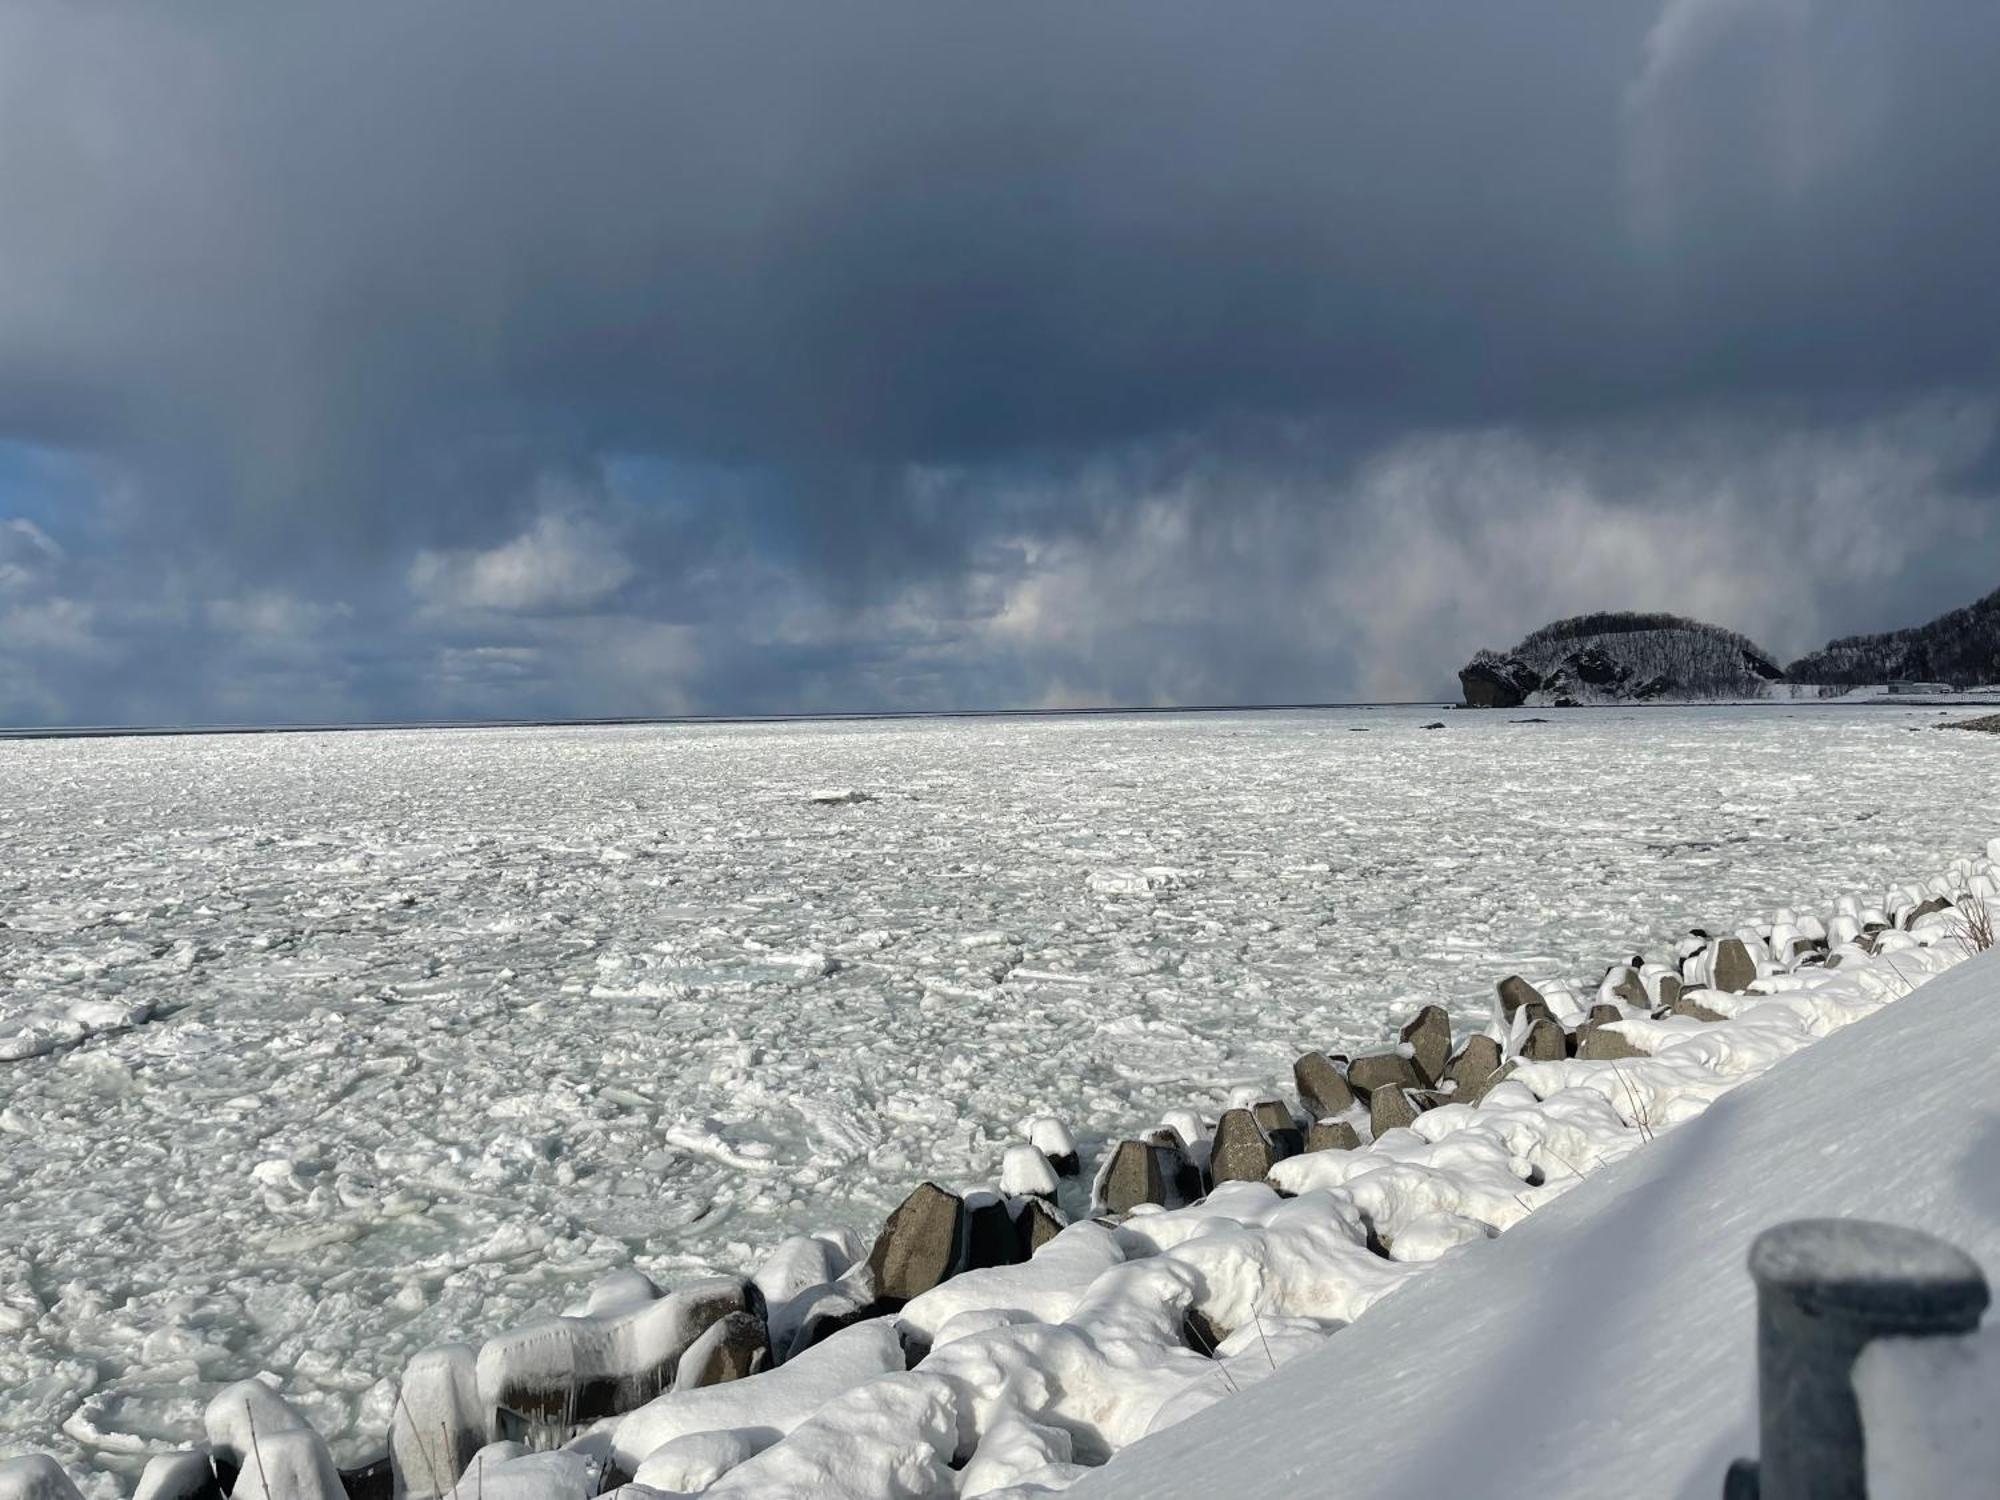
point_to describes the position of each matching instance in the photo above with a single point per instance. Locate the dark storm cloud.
(353, 300)
(312, 244)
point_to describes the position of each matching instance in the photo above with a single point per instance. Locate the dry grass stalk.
(1264, 1341)
(1975, 922)
(256, 1451)
(1640, 1115)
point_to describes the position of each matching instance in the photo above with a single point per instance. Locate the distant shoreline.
(166, 731)
(642, 721)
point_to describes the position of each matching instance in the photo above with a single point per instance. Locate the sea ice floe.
(502, 1063)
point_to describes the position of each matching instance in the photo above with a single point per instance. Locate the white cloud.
(562, 563)
(62, 626)
(274, 618)
(28, 555)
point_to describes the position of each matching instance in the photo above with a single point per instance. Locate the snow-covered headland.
(1652, 658)
(982, 1347)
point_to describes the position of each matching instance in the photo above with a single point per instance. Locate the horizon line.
(1969, 698)
(828, 716)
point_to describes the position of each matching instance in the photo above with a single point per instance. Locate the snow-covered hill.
(1620, 658)
(1961, 649)
(1645, 658)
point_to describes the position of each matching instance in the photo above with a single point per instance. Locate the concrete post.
(1825, 1287)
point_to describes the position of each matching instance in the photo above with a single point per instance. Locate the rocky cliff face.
(1619, 658)
(1491, 680)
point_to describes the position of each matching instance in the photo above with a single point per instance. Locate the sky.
(386, 361)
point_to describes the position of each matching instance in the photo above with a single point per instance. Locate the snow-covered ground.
(423, 1031)
(1606, 1346)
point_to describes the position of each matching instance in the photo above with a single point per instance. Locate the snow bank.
(1606, 1342)
(1042, 1290)
(771, 1404)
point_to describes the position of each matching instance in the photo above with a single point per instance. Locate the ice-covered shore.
(1020, 1379)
